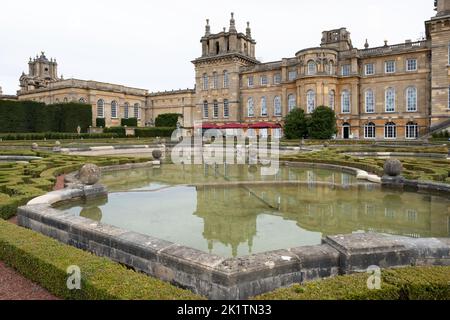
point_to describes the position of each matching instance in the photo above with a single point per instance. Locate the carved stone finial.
(366, 45)
(232, 23)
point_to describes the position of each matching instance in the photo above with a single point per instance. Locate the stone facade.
(392, 92)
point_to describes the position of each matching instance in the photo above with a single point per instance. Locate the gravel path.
(15, 287)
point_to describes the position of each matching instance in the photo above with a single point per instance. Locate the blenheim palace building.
(399, 91)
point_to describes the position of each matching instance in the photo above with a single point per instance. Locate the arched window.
(411, 99)
(310, 101)
(205, 110)
(412, 130)
(312, 68)
(215, 80)
(332, 99)
(114, 109)
(250, 107)
(126, 110)
(226, 108)
(390, 130)
(66, 100)
(264, 112)
(369, 131)
(57, 100)
(277, 106)
(390, 100)
(217, 47)
(225, 79)
(291, 102)
(331, 67)
(205, 81)
(100, 108)
(215, 109)
(370, 101)
(346, 101)
(137, 111)
(82, 101)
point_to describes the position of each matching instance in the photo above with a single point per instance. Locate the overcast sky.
(149, 44)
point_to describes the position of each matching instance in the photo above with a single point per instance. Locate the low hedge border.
(45, 261)
(20, 182)
(412, 283)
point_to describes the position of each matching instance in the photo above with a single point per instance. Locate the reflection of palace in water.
(342, 206)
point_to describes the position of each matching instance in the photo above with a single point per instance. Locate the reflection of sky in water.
(242, 220)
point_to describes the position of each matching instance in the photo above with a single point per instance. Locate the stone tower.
(41, 72)
(438, 33)
(338, 39)
(217, 73)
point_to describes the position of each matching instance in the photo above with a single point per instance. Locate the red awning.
(235, 125)
(206, 125)
(264, 125)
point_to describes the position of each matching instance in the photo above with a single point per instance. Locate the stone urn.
(89, 174)
(393, 168)
(157, 154)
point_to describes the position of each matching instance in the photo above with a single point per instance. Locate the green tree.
(295, 124)
(322, 123)
(167, 120)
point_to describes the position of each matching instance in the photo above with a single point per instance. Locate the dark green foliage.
(29, 116)
(117, 131)
(167, 120)
(322, 123)
(154, 132)
(130, 122)
(295, 126)
(55, 135)
(100, 122)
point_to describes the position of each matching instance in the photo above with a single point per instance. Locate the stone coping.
(398, 154)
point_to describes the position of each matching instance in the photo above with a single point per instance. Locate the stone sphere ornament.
(89, 174)
(57, 143)
(393, 168)
(34, 146)
(156, 154)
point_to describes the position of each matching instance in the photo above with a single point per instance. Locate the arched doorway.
(346, 130)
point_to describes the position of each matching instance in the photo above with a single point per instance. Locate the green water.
(234, 211)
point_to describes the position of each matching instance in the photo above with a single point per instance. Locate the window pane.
(205, 110)
(264, 107)
(390, 100)
(310, 101)
(411, 96)
(370, 102)
(346, 102)
(226, 109)
(277, 106)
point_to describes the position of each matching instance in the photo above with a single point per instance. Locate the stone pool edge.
(227, 278)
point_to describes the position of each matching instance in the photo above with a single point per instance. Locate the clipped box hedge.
(154, 132)
(45, 261)
(30, 116)
(412, 283)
